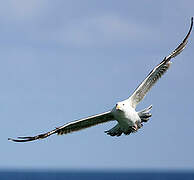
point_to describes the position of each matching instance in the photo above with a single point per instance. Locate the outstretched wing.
(157, 72)
(71, 127)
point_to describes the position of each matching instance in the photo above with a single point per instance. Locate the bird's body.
(126, 116)
(124, 112)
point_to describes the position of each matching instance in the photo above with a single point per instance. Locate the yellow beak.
(118, 107)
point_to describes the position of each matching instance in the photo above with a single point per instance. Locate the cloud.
(102, 30)
(33, 22)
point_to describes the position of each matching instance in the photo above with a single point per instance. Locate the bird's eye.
(123, 104)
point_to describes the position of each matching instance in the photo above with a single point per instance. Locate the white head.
(122, 106)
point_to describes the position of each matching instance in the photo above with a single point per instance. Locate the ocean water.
(97, 175)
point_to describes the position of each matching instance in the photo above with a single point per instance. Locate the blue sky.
(64, 60)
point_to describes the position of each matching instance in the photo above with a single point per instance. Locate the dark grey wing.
(157, 72)
(71, 127)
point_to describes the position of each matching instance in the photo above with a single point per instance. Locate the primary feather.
(157, 72)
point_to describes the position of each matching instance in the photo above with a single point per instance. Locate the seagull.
(124, 112)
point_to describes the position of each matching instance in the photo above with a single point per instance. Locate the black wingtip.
(191, 22)
(22, 139)
(14, 140)
(32, 138)
(10, 139)
(191, 27)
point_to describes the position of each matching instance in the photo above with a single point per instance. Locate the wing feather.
(157, 72)
(71, 127)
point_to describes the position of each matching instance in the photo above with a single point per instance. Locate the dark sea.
(95, 175)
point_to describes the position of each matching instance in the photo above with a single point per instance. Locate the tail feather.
(145, 114)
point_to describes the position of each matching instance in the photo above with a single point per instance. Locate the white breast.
(127, 117)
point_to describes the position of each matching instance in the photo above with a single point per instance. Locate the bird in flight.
(128, 119)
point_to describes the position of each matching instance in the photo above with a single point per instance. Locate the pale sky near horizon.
(64, 60)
